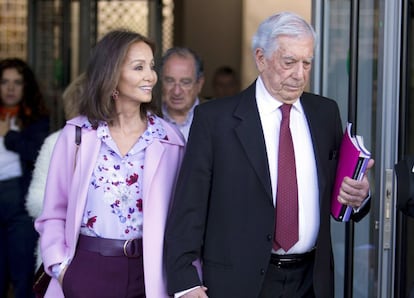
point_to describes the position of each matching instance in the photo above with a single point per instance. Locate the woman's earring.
(115, 94)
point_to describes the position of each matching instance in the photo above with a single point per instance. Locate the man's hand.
(354, 192)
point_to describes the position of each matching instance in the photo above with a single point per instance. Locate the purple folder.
(353, 160)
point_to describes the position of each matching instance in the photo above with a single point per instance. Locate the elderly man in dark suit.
(253, 197)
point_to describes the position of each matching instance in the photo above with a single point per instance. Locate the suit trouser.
(18, 241)
(289, 280)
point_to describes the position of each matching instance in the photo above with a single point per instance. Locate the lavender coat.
(66, 191)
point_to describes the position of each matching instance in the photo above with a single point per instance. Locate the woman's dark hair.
(103, 73)
(32, 106)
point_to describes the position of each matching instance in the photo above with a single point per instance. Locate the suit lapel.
(316, 124)
(249, 132)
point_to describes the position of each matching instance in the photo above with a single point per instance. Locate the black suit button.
(269, 237)
(262, 271)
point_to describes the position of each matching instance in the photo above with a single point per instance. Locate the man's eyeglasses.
(185, 84)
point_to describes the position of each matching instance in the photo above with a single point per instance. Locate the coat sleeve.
(184, 238)
(51, 223)
(36, 191)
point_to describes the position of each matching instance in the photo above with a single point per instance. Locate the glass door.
(360, 54)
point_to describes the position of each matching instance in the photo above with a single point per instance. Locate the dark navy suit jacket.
(223, 209)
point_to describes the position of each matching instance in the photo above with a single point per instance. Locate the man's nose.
(299, 71)
(177, 88)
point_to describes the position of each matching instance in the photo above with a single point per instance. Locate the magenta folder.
(353, 160)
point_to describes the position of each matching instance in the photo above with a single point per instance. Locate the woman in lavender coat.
(105, 206)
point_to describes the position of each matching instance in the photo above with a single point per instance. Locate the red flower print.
(115, 204)
(91, 221)
(132, 179)
(139, 205)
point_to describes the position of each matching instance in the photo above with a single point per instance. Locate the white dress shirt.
(308, 192)
(186, 125)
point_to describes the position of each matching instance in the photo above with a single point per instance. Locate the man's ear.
(200, 83)
(260, 59)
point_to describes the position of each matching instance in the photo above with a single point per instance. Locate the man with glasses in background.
(182, 79)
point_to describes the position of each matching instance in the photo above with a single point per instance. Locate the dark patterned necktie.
(287, 222)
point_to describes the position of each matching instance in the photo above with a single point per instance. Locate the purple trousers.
(91, 274)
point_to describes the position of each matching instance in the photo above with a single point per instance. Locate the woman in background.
(105, 206)
(24, 124)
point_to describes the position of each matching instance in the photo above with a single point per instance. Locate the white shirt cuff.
(356, 210)
(179, 294)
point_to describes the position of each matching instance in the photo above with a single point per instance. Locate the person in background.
(182, 78)
(24, 124)
(225, 82)
(105, 206)
(257, 233)
(34, 199)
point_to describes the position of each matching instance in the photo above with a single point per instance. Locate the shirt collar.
(266, 103)
(189, 117)
(155, 129)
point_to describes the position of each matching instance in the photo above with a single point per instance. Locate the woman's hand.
(196, 293)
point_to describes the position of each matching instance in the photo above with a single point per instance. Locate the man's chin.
(175, 107)
(291, 97)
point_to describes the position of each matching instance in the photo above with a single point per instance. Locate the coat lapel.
(88, 149)
(250, 134)
(153, 157)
